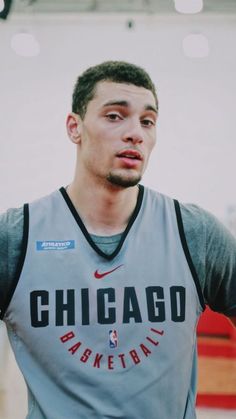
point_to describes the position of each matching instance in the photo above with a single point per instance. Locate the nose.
(133, 133)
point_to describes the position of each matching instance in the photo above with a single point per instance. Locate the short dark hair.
(115, 71)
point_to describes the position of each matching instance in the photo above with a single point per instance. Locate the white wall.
(194, 160)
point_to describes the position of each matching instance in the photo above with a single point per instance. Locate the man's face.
(117, 134)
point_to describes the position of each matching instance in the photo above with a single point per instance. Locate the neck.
(103, 210)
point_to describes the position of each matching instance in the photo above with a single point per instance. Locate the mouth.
(130, 154)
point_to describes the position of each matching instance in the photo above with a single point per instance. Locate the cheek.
(151, 145)
(153, 142)
(97, 151)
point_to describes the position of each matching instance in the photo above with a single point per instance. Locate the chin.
(123, 181)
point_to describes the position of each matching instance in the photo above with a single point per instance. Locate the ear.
(73, 125)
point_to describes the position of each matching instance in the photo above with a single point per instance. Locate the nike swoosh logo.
(101, 275)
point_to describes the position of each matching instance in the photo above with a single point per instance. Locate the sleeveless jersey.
(106, 336)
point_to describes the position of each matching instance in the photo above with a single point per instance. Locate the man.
(102, 287)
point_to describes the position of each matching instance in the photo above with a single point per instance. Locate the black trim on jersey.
(86, 233)
(20, 261)
(187, 253)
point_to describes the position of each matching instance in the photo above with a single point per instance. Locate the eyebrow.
(127, 105)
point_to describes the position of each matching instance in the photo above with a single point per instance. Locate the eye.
(113, 117)
(148, 122)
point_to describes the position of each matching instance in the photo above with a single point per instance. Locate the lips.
(130, 154)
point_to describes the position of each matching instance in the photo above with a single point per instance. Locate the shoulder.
(195, 220)
(200, 223)
(11, 223)
(213, 251)
(11, 236)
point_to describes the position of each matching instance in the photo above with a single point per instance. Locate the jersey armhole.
(20, 261)
(187, 253)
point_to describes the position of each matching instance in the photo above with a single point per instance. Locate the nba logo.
(113, 339)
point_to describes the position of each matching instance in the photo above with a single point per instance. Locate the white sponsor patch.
(55, 245)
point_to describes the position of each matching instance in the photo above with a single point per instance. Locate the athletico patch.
(55, 245)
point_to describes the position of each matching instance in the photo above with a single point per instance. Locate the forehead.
(107, 91)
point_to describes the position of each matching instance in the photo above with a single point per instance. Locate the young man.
(102, 283)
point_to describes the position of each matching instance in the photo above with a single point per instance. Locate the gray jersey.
(211, 246)
(106, 336)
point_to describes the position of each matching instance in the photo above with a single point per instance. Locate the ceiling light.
(188, 6)
(25, 44)
(196, 46)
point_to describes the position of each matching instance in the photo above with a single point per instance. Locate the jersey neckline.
(86, 233)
